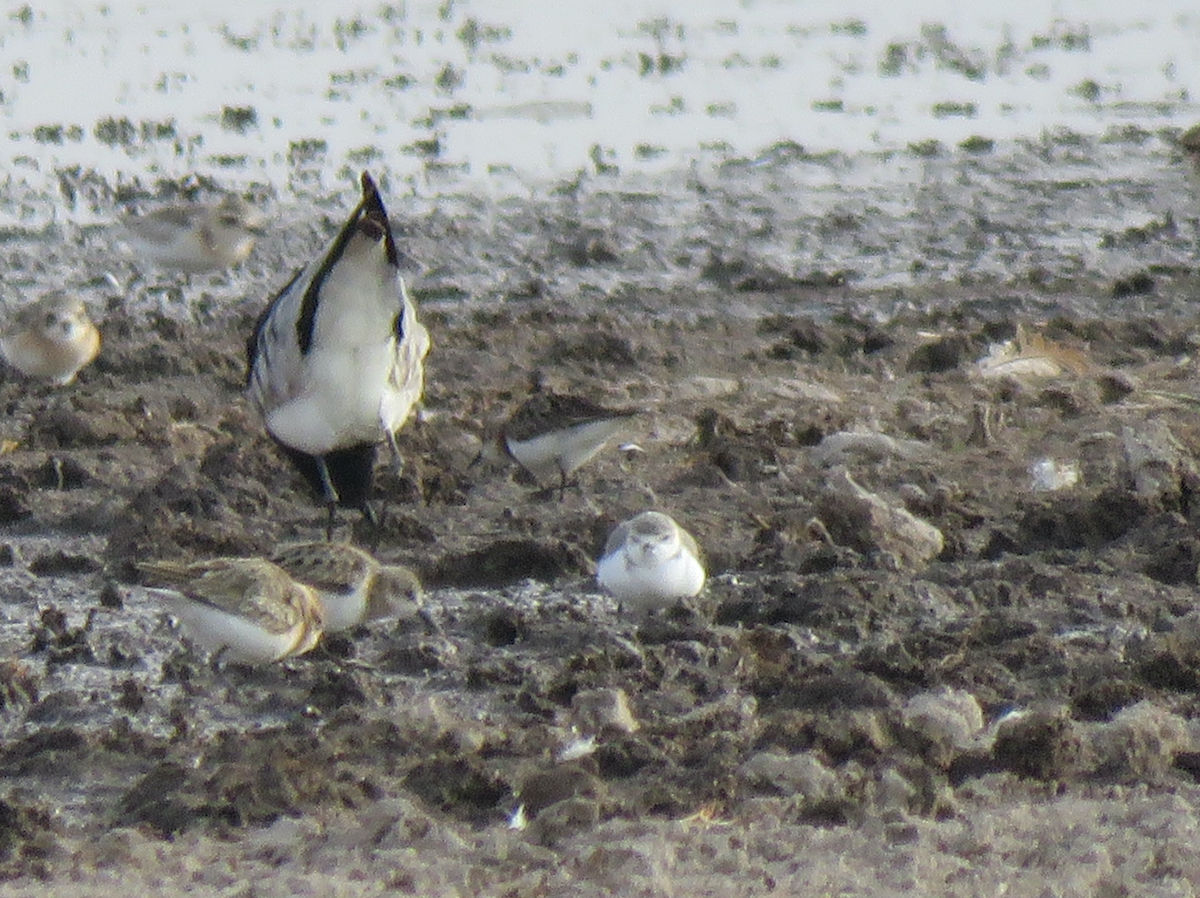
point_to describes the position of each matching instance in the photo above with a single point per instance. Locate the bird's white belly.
(339, 403)
(563, 451)
(215, 630)
(647, 581)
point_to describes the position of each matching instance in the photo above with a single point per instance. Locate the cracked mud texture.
(911, 670)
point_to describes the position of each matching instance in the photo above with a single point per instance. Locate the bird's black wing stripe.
(254, 345)
(306, 320)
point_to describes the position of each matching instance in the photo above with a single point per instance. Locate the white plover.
(650, 561)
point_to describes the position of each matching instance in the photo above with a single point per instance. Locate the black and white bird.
(337, 360)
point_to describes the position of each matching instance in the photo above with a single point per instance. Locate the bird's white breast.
(360, 297)
(644, 578)
(336, 395)
(343, 610)
(340, 403)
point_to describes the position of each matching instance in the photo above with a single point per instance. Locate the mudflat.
(949, 640)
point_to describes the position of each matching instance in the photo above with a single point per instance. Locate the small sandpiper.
(336, 362)
(51, 339)
(196, 238)
(551, 435)
(245, 610)
(352, 585)
(649, 562)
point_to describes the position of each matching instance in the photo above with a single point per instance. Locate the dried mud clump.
(1043, 744)
(28, 842)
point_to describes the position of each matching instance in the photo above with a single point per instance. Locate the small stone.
(943, 724)
(868, 523)
(602, 711)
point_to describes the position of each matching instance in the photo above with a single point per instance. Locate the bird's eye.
(51, 319)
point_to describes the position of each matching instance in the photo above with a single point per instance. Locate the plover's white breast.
(628, 575)
(649, 561)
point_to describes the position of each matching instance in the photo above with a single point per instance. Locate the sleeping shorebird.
(51, 339)
(552, 435)
(195, 238)
(649, 562)
(246, 610)
(336, 361)
(352, 586)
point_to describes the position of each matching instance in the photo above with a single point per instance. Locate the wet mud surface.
(912, 653)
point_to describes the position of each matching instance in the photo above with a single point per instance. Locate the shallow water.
(946, 140)
(545, 90)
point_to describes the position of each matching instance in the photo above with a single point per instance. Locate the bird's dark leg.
(562, 483)
(376, 521)
(397, 458)
(331, 497)
(398, 463)
(214, 661)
